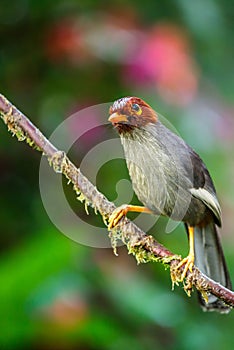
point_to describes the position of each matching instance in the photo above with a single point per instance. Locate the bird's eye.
(136, 108)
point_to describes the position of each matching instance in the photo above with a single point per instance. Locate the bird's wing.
(209, 200)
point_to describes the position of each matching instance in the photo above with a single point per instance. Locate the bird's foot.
(121, 211)
(188, 264)
(117, 214)
(178, 275)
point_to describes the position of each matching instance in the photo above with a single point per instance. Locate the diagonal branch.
(144, 247)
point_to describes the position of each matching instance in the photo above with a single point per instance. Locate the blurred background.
(55, 59)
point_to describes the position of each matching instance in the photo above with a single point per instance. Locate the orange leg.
(188, 262)
(121, 211)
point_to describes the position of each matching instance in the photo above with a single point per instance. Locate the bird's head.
(129, 113)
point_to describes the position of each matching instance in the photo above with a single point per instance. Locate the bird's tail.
(210, 260)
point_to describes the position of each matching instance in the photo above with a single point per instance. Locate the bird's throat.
(124, 129)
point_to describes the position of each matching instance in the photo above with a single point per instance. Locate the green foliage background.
(55, 293)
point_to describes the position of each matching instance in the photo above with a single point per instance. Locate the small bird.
(170, 179)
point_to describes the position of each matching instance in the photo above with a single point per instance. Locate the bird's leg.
(121, 211)
(188, 262)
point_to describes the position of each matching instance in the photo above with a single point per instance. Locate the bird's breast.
(157, 176)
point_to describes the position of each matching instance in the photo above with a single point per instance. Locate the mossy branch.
(144, 247)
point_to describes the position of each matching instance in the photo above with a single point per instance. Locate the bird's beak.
(116, 118)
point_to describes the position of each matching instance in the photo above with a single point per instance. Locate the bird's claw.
(117, 214)
(188, 264)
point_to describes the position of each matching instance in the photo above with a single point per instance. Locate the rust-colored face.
(128, 113)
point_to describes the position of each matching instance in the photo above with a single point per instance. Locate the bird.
(170, 179)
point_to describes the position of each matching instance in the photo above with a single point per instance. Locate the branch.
(144, 247)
